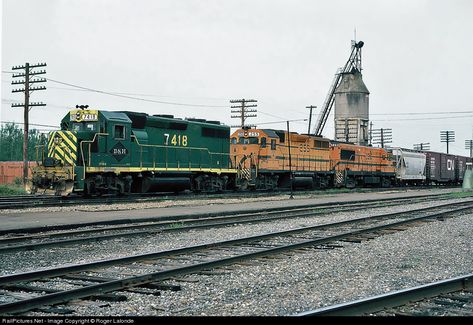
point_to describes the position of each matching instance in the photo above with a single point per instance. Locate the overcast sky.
(417, 58)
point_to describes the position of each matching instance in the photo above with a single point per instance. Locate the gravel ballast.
(123, 246)
(300, 281)
(304, 281)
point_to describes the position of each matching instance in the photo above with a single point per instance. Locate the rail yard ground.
(174, 207)
(283, 284)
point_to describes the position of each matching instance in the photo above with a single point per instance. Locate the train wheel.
(385, 182)
(350, 183)
(64, 188)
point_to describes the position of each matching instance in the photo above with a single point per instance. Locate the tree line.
(11, 142)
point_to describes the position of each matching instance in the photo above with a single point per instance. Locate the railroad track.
(72, 236)
(94, 279)
(35, 201)
(451, 297)
(416, 198)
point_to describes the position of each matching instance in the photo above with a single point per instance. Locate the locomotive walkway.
(28, 219)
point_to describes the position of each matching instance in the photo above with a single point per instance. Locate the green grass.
(176, 225)
(458, 195)
(6, 190)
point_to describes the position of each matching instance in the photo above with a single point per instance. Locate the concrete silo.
(351, 109)
(350, 97)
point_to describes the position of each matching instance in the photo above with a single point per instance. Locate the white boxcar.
(410, 165)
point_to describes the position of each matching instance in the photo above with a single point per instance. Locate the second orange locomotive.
(266, 159)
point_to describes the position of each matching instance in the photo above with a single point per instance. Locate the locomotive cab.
(61, 156)
(87, 138)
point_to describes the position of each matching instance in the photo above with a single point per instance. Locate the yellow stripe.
(66, 157)
(65, 135)
(119, 170)
(51, 137)
(51, 144)
(72, 135)
(72, 148)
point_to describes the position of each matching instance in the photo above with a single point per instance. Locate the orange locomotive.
(266, 158)
(355, 165)
(261, 157)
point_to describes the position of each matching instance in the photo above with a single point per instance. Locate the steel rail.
(19, 202)
(212, 222)
(61, 297)
(34, 275)
(394, 299)
(201, 224)
(190, 216)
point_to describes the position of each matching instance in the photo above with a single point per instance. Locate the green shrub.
(6, 190)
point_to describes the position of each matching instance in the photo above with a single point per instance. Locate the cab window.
(83, 126)
(263, 142)
(251, 140)
(273, 144)
(347, 155)
(119, 133)
(234, 141)
(76, 127)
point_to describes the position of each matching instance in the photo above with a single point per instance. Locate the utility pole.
(290, 162)
(422, 146)
(243, 110)
(447, 136)
(469, 145)
(371, 132)
(29, 79)
(310, 116)
(382, 136)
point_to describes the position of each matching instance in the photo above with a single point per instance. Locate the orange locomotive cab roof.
(275, 134)
(255, 133)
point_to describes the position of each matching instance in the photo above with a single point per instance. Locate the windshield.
(251, 140)
(84, 126)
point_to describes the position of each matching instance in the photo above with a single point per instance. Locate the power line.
(278, 122)
(425, 119)
(45, 125)
(272, 115)
(420, 113)
(144, 94)
(126, 96)
(133, 97)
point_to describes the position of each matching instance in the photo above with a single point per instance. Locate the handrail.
(37, 152)
(180, 148)
(82, 151)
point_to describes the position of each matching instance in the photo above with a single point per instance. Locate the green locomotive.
(99, 151)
